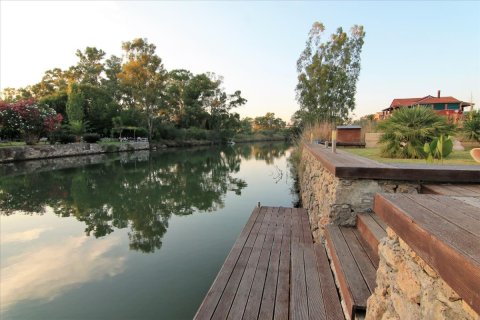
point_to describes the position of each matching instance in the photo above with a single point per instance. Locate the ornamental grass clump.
(28, 119)
(408, 129)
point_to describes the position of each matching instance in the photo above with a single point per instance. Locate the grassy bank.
(455, 158)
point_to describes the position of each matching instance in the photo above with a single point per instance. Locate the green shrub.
(168, 131)
(408, 129)
(439, 148)
(61, 136)
(196, 134)
(471, 126)
(91, 137)
(67, 138)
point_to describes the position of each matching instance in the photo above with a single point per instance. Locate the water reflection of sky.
(47, 256)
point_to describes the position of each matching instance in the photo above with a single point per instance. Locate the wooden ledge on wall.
(345, 165)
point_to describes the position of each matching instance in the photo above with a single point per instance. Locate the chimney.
(438, 94)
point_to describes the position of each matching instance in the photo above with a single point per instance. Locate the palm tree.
(408, 129)
(471, 126)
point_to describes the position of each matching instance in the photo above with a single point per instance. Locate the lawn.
(10, 144)
(455, 158)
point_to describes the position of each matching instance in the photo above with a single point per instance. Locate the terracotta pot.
(475, 153)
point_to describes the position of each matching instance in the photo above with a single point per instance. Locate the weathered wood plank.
(316, 307)
(459, 213)
(364, 263)
(437, 226)
(430, 244)
(210, 301)
(267, 307)
(282, 296)
(298, 291)
(243, 290)
(370, 231)
(333, 308)
(255, 297)
(352, 285)
(226, 300)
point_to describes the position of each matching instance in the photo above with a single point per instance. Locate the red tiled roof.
(396, 103)
(441, 100)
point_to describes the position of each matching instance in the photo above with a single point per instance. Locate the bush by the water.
(408, 129)
(91, 137)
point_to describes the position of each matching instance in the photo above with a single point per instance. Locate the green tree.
(53, 81)
(75, 111)
(268, 122)
(144, 76)
(408, 129)
(89, 67)
(328, 73)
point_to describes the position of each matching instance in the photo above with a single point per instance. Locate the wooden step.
(372, 229)
(353, 267)
(333, 308)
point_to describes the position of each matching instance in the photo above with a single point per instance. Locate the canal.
(128, 236)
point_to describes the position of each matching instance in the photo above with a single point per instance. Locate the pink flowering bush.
(28, 119)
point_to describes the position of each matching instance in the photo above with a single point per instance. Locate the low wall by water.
(329, 199)
(65, 150)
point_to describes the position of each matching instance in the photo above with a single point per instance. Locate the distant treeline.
(135, 94)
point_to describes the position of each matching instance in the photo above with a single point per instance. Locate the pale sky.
(411, 49)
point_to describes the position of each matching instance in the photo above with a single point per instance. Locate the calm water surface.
(130, 236)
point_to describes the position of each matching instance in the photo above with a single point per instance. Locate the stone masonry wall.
(329, 199)
(407, 288)
(65, 150)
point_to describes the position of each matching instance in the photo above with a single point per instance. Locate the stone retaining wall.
(407, 288)
(329, 199)
(65, 150)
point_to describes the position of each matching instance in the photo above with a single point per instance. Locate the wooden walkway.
(274, 271)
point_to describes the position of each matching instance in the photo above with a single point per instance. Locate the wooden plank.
(473, 187)
(298, 287)
(470, 200)
(282, 296)
(364, 263)
(212, 297)
(379, 220)
(457, 212)
(228, 295)
(438, 226)
(243, 290)
(355, 291)
(333, 308)
(373, 255)
(461, 271)
(267, 306)
(255, 297)
(370, 230)
(316, 307)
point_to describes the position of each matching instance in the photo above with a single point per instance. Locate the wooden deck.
(443, 230)
(274, 271)
(343, 164)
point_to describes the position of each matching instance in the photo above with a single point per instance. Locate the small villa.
(448, 106)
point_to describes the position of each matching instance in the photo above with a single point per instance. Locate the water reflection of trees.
(140, 195)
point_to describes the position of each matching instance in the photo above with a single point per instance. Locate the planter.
(371, 139)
